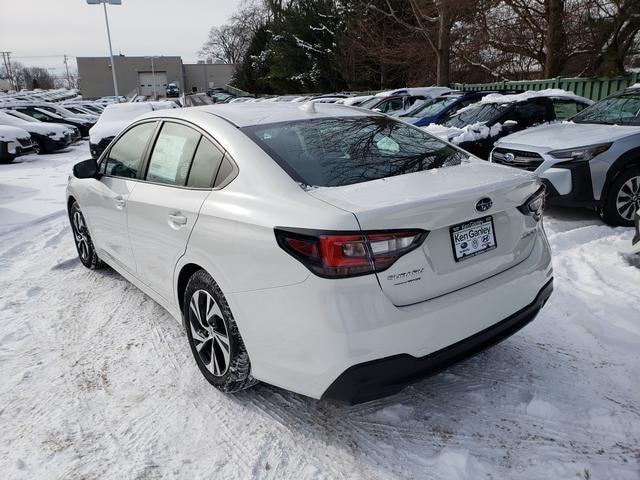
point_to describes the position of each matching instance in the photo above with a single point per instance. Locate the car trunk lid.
(435, 201)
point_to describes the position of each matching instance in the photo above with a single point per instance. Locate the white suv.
(334, 252)
(592, 161)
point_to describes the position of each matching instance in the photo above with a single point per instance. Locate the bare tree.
(434, 21)
(229, 42)
(613, 28)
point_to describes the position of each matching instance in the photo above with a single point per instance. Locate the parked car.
(173, 90)
(73, 131)
(117, 116)
(47, 137)
(63, 112)
(311, 246)
(393, 103)
(592, 161)
(635, 243)
(14, 142)
(477, 127)
(442, 108)
(45, 115)
(399, 101)
(355, 101)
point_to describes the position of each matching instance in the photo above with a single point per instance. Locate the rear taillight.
(534, 206)
(347, 254)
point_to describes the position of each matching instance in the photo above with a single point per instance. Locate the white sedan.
(334, 252)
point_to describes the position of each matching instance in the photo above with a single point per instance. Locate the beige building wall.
(201, 76)
(96, 79)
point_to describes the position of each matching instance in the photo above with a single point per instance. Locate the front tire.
(623, 198)
(84, 244)
(213, 335)
(38, 147)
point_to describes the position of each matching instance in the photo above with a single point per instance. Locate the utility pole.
(68, 76)
(6, 57)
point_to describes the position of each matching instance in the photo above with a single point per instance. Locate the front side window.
(477, 113)
(432, 108)
(565, 109)
(126, 154)
(37, 115)
(623, 110)
(331, 152)
(530, 113)
(172, 154)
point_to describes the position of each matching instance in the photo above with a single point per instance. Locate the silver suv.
(592, 161)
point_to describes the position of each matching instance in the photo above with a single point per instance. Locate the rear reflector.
(347, 254)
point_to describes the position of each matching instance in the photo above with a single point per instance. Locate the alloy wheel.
(210, 333)
(628, 199)
(80, 234)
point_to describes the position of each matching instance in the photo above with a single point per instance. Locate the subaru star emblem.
(509, 157)
(484, 204)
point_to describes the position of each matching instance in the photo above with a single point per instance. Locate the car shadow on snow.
(479, 406)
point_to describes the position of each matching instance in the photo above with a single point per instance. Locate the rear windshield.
(330, 152)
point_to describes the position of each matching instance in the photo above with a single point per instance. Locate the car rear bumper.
(308, 336)
(379, 378)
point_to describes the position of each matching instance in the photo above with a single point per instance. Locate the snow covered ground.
(98, 381)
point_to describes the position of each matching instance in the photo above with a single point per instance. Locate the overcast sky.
(39, 32)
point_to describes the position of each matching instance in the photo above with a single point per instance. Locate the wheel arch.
(70, 201)
(184, 275)
(629, 159)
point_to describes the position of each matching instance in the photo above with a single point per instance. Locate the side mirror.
(86, 169)
(509, 126)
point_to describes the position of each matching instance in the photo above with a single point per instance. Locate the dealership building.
(139, 75)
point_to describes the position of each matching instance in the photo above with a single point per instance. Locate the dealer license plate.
(473, 238)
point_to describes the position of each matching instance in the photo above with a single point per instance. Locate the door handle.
(119, 202)
(177, 219)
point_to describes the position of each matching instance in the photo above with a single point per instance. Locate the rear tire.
(623, 198)
(213, 335)
(82, 239)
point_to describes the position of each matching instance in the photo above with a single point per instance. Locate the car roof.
(249, 114)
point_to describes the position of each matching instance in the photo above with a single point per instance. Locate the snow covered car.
(73, 131)
(47, 137)
(47, 116)
(331, 251)
(442, 108)
(14, 142)
(592, 161)
(117, 116)
(477, 127)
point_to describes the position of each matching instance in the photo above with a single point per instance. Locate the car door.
(106, 199)
(164, 207)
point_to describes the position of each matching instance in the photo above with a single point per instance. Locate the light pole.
(106, 20)
(153, 76)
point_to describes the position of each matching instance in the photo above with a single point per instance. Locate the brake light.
(348, 254)
(534, 206)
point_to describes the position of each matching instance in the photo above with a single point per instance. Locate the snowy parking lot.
(98, 380)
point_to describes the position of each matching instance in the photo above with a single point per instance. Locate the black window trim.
(146, 156)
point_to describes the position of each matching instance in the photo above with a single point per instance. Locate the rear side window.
(564, 109)
(331, 152)
(172, 154)
(205, 165)
(126, 154)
